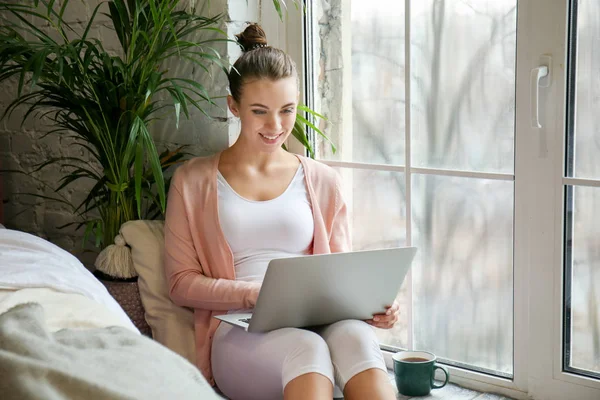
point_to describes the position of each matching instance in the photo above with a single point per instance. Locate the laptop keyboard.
(246, 320)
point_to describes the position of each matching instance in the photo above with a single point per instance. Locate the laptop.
(322, 289)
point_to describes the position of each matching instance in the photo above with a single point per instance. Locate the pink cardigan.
(198, 261)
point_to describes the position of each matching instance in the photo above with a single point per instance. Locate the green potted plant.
(105, 102)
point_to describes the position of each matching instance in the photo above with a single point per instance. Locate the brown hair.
(258, 61)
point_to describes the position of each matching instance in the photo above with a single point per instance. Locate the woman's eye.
(258, 112)
(288, 110)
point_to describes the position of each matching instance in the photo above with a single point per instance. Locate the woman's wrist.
(253, 295)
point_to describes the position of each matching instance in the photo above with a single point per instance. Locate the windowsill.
(450, 391)
(478, 386)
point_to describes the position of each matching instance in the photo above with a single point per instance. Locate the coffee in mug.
(415, 359)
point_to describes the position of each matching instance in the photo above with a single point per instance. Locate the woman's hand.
(388, 319)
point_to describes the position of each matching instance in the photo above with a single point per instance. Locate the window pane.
(582, 249)
(585, 280)
(361, 82)
(463, 276)
(463, 84)
(587, 91)
(376, 199)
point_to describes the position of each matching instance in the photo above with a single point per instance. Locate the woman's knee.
(350, 335)
(308, 344)
(307, 353)
(354, 348)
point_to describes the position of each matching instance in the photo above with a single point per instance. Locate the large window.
(442, 146)
(426, 146)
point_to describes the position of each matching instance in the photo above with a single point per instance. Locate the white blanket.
(30, 262)
(109, 363)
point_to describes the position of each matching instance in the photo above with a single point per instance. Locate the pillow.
(172, 325)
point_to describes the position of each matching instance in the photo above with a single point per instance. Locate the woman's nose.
(274, 123)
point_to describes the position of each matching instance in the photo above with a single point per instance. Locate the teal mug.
(415, 372)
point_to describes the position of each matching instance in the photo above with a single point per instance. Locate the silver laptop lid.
(322, 289)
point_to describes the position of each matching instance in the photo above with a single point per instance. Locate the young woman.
(229, 214)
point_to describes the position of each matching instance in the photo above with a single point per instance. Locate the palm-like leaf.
(105, 102)
(280, 6)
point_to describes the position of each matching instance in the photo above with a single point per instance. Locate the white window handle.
(536, 74)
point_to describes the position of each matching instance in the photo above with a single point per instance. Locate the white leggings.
(248, 366)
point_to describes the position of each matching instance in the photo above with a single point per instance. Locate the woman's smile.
(270, 138)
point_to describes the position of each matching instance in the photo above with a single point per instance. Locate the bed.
(62, 336)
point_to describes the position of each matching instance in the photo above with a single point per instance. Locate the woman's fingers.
(383, 321)
(382, 325)
(393, 309)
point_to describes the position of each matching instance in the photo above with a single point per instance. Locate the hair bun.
(253, 37)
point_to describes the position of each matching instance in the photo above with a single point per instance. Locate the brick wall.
(21, 147)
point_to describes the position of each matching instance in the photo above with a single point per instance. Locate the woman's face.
(267, 112)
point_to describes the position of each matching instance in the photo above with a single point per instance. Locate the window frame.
(538, 175)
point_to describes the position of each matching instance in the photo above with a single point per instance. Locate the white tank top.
(259, 231)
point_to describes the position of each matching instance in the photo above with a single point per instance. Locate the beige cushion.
(172, 325)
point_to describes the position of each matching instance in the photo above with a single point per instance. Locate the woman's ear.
(233, 106)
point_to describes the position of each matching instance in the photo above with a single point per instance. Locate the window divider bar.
(581, 182)
(464, 174)
(407, 158)
(358, 165)
(442, 172)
